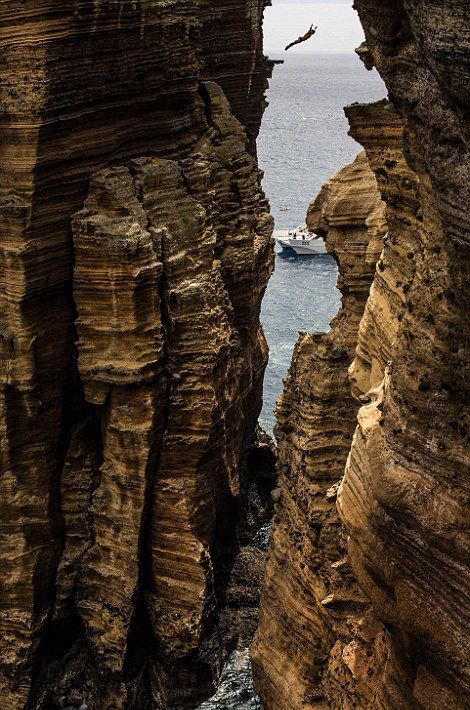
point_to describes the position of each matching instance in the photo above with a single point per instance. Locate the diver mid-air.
(304, 37)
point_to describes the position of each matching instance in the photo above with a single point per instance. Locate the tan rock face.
(310, 596)
(132, 357)
(410, 461)
(350, 215)
(404, 497)
(174, 423)
(380, 130)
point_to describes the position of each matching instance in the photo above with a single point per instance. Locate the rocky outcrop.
(394, 628)
(380, 130)
(404, 498)
(310, 592)
(132, 357)
(349, 214)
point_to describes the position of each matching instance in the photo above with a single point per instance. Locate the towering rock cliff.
(406, 490)
(387, 625)
(134, 255)
(309, 592)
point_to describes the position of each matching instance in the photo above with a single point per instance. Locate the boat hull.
(304, 247)
(306, 250)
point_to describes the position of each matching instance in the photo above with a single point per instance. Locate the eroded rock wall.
(405, 498)
(132, 356)
(399, 635)
(310, 593)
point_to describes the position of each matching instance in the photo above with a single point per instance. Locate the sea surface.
(303, 142)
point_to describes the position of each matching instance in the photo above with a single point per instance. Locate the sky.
(339, 29)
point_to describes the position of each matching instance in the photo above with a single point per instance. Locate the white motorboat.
(300, 240)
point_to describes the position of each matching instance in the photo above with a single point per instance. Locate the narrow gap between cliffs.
(303, 142)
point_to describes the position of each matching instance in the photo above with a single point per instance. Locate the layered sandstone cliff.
(136, 246)
(387, 625)
(309, 592)
(405, 495)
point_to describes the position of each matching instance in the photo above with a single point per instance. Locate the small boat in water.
(300, 240)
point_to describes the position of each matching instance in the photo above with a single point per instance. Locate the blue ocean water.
(303, 142)
(304, 135)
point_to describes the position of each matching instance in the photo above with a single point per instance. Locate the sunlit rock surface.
(405, 497)
(136, 246)
(394, 629)
(310, 593)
